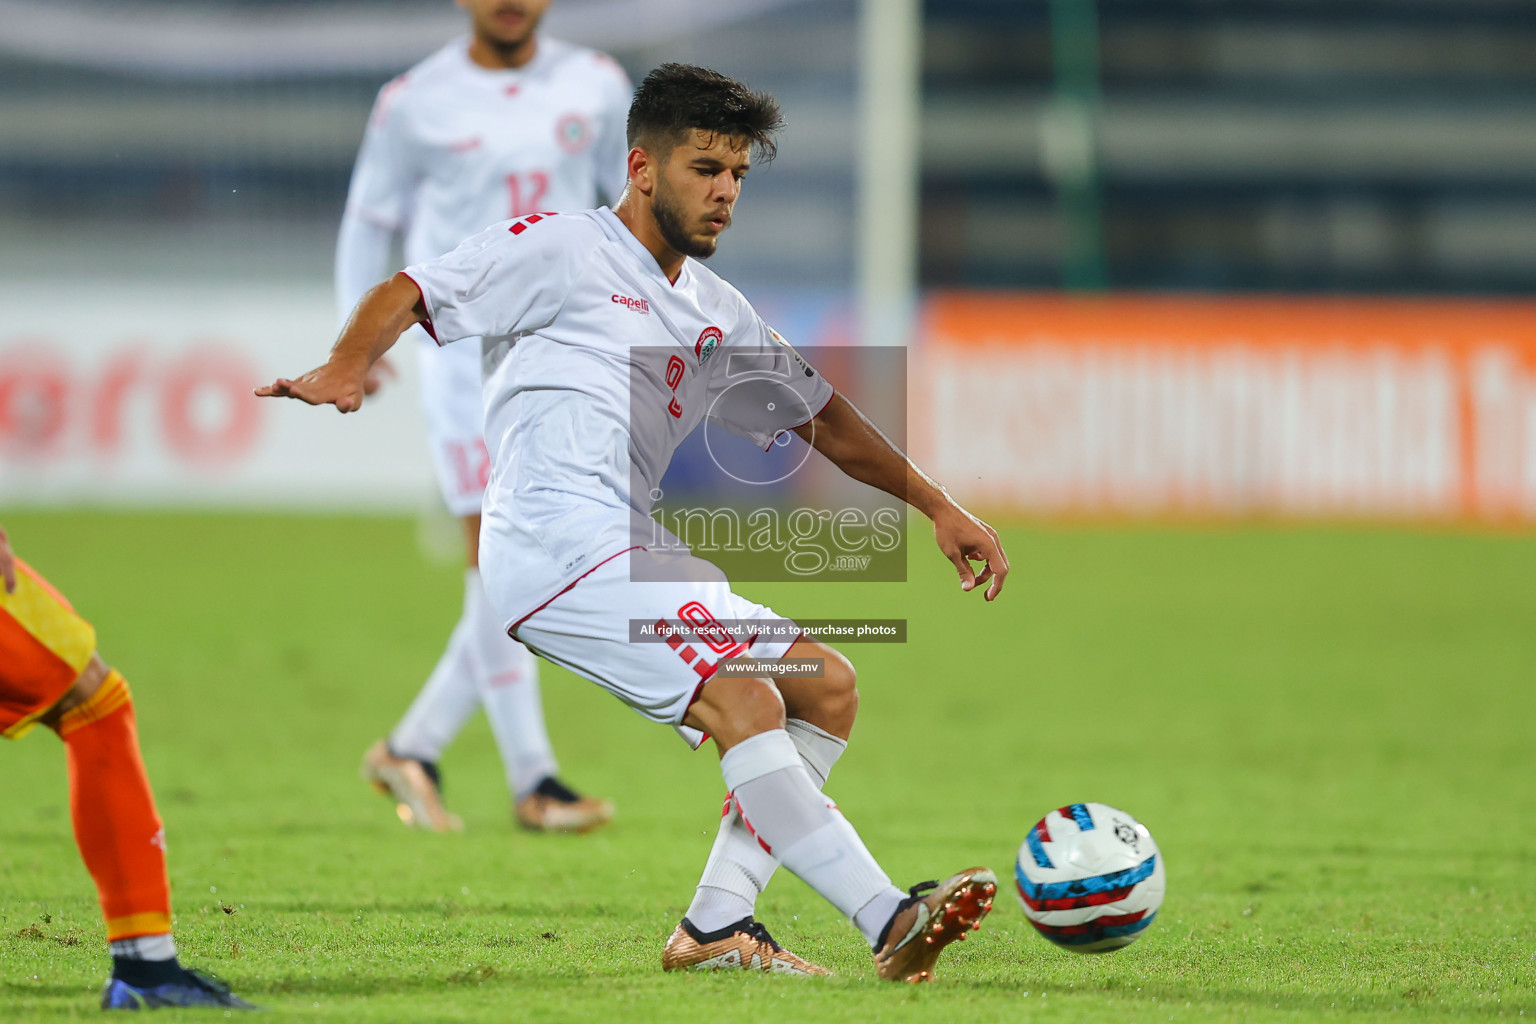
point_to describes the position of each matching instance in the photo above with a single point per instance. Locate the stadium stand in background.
(1273, 144)
(1356, 148)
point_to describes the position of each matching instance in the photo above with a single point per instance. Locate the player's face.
(505, 23)
(697, 190)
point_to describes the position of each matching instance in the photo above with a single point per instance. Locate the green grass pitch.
(1331, 732)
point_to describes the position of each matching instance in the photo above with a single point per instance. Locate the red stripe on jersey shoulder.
(386, 100)
(613, 67)
(533, 218)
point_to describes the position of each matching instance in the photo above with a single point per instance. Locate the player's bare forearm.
(383, 314)
(856, 446)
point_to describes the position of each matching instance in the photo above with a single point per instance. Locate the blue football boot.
(191, 988)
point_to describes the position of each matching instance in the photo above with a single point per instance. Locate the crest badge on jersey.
(709, 340)
(573, 132)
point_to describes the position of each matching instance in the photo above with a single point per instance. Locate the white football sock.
(780, 804)
(446, 701)
(874, 915)
(738, 868)
(819, 749)
(507, 675)
(145, 947)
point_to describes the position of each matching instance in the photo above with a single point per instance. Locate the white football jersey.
(452, 146)
(597, 368)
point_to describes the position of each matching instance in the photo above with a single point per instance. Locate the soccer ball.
(1090, 877)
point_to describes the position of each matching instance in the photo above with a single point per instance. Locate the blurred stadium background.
(1249, 262)
(172, 173)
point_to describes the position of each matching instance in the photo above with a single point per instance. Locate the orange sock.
(116, 825)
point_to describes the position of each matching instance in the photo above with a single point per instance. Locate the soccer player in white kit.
(502, 123)
(608, 342)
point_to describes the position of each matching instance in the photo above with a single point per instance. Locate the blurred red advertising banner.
(118, 392)
(1216, 406)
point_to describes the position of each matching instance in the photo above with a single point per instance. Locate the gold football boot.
(932, 917)
(555, 807)
(744, 946)
(412, 785)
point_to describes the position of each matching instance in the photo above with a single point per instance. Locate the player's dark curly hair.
(675, 98)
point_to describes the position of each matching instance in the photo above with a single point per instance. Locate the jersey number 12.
(527, 192)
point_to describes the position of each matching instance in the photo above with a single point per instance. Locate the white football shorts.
(452, 405)
(588, 629)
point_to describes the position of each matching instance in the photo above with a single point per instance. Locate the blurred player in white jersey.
(610, 342)
(502, 123)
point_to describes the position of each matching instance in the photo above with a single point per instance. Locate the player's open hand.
(965, 539)
(341, 385)
(7, 564)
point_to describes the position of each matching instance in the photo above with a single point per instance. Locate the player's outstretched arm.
(856, 446)
(7, 564)
(384, 313)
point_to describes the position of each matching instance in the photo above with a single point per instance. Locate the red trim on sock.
(766, 848)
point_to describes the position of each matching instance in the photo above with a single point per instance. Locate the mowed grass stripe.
(1327, 730)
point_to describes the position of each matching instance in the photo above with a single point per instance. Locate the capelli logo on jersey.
(707, 343)
(640, 306)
